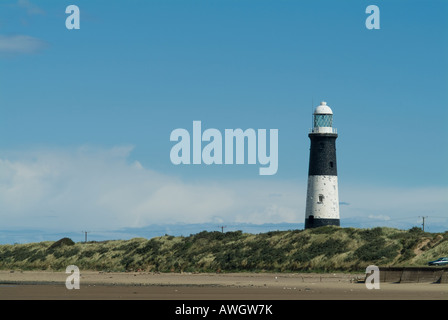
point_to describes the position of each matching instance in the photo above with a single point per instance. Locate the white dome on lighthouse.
(323, 109)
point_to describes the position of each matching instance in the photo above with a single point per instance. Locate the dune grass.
(322, 249)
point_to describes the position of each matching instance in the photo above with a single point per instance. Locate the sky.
(86, 114)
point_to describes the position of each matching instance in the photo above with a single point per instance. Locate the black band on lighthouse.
(312, 222)
(323, 155)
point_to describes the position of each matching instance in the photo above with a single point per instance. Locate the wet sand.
(187, 286)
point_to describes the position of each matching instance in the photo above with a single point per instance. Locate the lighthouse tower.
(322, 199)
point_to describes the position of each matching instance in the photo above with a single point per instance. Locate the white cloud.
(21, 44)
(100, 189)
(392, 206)
(379, 217)
(30, 8)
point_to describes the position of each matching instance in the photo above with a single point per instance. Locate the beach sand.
(94, 285)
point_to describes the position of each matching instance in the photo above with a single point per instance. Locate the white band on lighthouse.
(322, 197)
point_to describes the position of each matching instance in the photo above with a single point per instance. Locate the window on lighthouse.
(321, 198)
(323, 120)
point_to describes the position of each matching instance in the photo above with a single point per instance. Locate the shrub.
(376, 250)
(415, 231)
(87, 254)
(152, 246)
(61, 242)
(371, 234)
(324, 230)
(328, 248)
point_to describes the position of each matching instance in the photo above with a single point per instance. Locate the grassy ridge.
(320, 249)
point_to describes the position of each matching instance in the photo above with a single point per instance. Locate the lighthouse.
(322, 199)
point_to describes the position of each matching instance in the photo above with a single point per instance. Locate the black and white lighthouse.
(322, 199)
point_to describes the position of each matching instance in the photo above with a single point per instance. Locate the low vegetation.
(315, 250)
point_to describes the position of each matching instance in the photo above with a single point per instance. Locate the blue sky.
(86, 115)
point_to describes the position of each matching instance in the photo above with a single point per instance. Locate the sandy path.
(186, 286)
(145, 278)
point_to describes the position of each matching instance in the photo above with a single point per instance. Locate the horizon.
(176, 230)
